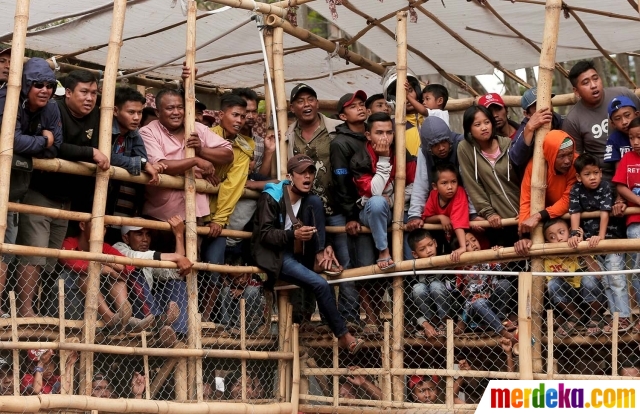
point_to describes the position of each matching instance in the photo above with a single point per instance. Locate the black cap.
(301, 87)
(299, 163)
(5, 363)
(200, 106)
(4, 49)
(348, 99)
(370, 100)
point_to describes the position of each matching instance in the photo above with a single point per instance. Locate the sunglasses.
(40, 85)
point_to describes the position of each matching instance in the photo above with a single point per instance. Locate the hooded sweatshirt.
(433, 131)
(558, 185)
(28, 139)
(493, 189)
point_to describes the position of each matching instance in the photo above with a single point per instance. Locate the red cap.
(417, 379)
(491, 99)
(35, 354)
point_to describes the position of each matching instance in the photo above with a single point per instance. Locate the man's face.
(425, 392)
(129, 115)
(499, 114)
(564, 160)
(305, 107)
(199, 115)
(232, 120)
(409, 107)
(355, 112)
(39, 94)
(251, 114)
(425, 248)
(623, 117)
(347, 391)
(170, 111)
(379, 106)
(82, 99)
(441, 149)
(101, 389)
(138, 240)
(303, 181)
(380, 131)
(589, 88)
(5, 61)
(557, 233)
(6, 381)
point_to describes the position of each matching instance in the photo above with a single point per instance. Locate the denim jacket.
(134, 150)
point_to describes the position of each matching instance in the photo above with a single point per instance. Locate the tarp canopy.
(155, 32)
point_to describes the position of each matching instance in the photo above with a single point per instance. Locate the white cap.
(59, 89)
(220, 384)
(126, 229)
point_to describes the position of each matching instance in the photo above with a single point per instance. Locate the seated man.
(241, 286)
(165, 291)
(288, 247)
(115, 282)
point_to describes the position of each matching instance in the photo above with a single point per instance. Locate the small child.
(590, 193)
(435, 97)
(622, 111)
(425, 390)
(43, 378)
(627, 180)
(564, 292)
(484, 295)
(447, 205)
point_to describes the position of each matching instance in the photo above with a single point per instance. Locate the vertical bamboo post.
(267, 33)
(304, 380)
(450, 361)
(288, 347)
(190, 196)
(14, 338)
(62, 330)
(283, 300)
(199, 380)
(398, 206)
(524, 325)
(295, 382)
(614, 344)
(539, 174)
(336, 378)
(180, 377)
(145, 361)
(386, 364)
(20, 22)
(102, 182)
(281, 96)
(550, 369)
(243, 346)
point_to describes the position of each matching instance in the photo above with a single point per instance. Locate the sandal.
(334, 271)
(594, 328)
(624, 324)
(371, 329)
(390, 264)
(441, 331)
(567, 328)
(636, 328)
(356, 345)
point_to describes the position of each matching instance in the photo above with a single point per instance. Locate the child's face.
(557, 233)
(379, 105)
(425, 392)
(622, 117)
(441, 149)
(447, 185)
(634, 139)
(471, 243)
(430, 101)
(590, 176)
(425, 248)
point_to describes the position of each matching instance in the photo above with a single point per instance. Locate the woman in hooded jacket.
(489, 178)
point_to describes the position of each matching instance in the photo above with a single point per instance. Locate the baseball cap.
(35, 354)
(299, 163)
(5, 363)
(620, 102)
(126, 229)
(301, 87)
(6, 49)
(491, 99)
(529, 97)
(348, 99)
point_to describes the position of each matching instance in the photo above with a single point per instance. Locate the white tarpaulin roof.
(154, 32)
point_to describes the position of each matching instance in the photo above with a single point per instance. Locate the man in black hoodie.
(349, 140)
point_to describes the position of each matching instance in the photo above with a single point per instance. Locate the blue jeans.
(633, 232)
(212, 251)
(296, 273)
(425, 295)
(348, 297)
(615, 286)
(230, 308)
(560, 291)
(173, 291)
(376, 215)
(484, 309)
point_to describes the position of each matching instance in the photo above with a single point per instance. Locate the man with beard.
(494, 103)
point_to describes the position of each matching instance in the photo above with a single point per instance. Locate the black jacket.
(343, 147)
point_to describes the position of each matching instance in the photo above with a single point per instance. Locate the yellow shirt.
(412, 137)
(564, 264)
(232, 178)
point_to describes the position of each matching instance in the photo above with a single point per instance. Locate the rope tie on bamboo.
(331, 56)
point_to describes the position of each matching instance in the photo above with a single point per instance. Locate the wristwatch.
(143, 162)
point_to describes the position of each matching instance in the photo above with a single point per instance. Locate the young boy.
(435, 97)
(431, 290)
(627, 181)
(590, 193)
(564, 292)
(622, 111)
(376, 103)
(447, 204)
(484, 295)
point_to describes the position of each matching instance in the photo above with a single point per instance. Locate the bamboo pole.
(101, 187)
(267, 34)
(425, 407)
(181, 380)
(20, 23)
(295, 382)
(387, 395)
(304, 380)
(199, 384)
(318, 409)
(288, 347)
(283, 300)
(14, 340)
(162, 375)
(539, 173)
(190, 195)
(281, 98)
(398, 206)
(550, 369)
(62, 330)
(450, 361)
(524, 325)
(336, 378)
(412, 371)
(145, 361)
(614, 342)
(243, 346)
(324, 44)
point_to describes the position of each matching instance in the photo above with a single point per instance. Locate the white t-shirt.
(295, 207)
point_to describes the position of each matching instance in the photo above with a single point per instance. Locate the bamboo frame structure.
(281, 97)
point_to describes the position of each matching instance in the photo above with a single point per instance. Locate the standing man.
(494, 103)
(588, 121)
